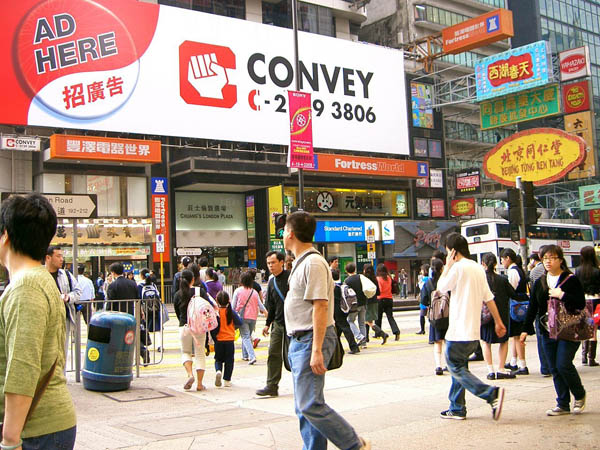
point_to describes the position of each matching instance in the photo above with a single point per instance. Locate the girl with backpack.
(246, 302)
(224, 337)
(436, 335)
(189, 342)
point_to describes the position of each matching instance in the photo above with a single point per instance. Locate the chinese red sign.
(574, 63)
(301, 154)
(437, 207)
(160, 219)
(514, 68)
(576, 96)
(462, 207)
(63, 146)
(594, 216)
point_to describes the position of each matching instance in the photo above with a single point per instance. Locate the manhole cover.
(136, 395)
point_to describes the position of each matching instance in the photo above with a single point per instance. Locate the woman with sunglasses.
(558, 282)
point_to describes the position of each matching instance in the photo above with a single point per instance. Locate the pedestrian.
(518, 280)
(277, 289)
(87, 293)
(536, 270)
(589, 275)
(185, 262)
(309, 321)
(224, 337)
(386, 300)
(373, 306)
(334, 262)
(403, 284)
(466, 281)
(213, 285)
(561, 284)
(360, 332)
(340, 317)
(502, 291)
(191, 345)
(100, 286)
(436, 335)
(246, 302)
(130, 276)
(203, 263)
(32, 332)
(424, 275)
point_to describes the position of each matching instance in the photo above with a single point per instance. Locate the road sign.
(372, 254)
(189, 251)
(370, 235)
(72, 206)
(160, 243)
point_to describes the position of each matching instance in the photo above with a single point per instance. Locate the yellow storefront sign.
(540, 155)
(582, 125)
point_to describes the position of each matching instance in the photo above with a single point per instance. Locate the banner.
(468, 182)
(582, 125)
(66, 146)
(275, 207)
(421, 96)
(160, 219)
(478, 31)
(462, 207)
(361, 165)
(301, 154)
(138, 67)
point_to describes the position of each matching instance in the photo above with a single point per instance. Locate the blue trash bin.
(110, 351)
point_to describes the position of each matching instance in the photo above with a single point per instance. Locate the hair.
(382, 271)
(288, 262)
(490, 261)
(223, 301)
(212, 274)
(425, 267)
(149, 279)
(437, 265)
(80, 269)
(196, 271)
(185, 284)
(456, 241)
(534, 256)
(130, 274)
(203, 261)
(350, 267)
(331, 259)
(519, 261)
(117, 268)
(369, 272)
(438, 254)
(247, 279)
(144, 273)
(335, 274)
(303, 225)
(509, 253)
(589, 262)
(280, 256)
(186, 260)
(50, 250)
(554, 250)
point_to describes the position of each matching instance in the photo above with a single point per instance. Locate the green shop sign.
(520, 107)
(589, 196)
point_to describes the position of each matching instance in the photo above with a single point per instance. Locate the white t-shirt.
(514, 278)
(468, 285)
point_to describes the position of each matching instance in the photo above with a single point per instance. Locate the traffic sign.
(69, 206)
(160, 243)
(370, 235)
(189, 251)
(371, 253)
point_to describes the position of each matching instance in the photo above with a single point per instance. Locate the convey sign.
(106, 62)
(21, 143)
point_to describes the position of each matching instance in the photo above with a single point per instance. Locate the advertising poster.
(301, 154)
(423, 207)
(462, 207)
(422, 101)
(420, 146)
(582, 125)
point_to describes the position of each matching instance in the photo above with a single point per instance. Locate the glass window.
(137, 203)
(326, 23)
(478, 230)
(108, 191)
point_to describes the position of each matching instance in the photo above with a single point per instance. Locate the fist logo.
(203, 75)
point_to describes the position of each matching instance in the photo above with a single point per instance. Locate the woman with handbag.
(589, 275)
(558, 283)
(246, 302)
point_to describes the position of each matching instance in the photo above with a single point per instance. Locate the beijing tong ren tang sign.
(540, 155)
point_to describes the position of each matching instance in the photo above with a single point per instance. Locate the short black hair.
(117, 268)
(456, 241)
(30, 223)
(303, 225)
(51, 249)
(186, 260)
(534, 256)
(350, 267)
(203, 262)
(247, 279)
(144, 273)
(332, 259)
(280, 256)
(510, 253)
(80, 269)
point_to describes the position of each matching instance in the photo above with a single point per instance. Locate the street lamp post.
(297, 70)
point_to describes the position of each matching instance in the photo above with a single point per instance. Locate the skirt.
(435, 334)
(372, 312)
(488, 334)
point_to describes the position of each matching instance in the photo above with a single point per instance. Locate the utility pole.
(297, 69)
(522, 229)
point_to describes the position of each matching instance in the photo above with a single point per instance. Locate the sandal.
(188, 385)
(201, 388)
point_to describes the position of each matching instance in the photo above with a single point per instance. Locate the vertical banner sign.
(582, 125)
(275, 207)
(160, 218)
(301, 155)
(251, 224)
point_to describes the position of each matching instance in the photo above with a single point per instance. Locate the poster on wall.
(424, 207)
(421, 101)
(438, 207)
(420, 147)
(437, 178)
(435, 148)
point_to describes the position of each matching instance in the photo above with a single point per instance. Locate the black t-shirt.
(354, 282)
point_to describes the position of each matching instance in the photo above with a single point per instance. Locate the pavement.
(389, 393)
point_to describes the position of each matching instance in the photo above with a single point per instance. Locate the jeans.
(360, 332)
(224, 354)
(403, 291)
(275, 359)
(560, 356)
(60, 440)
(246, 331)
(544, 366)
(457, 358)
(318, 422)
(342, 326)
(386, 306)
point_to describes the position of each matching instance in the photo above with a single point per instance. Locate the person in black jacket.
(589, 275)
(360, 331)
(340, 317)
(558, 282)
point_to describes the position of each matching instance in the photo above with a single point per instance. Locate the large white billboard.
(127, 66)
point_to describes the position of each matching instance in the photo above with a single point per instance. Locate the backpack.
(202, 316)
(439, 311)
(152, 307)
(349, 301)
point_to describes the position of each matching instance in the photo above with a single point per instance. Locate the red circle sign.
(129, 337)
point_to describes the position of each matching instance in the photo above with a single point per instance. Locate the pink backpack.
(202, 316)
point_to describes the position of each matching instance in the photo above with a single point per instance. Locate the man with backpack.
(345, 299)
(466, 280)
(353, 280)
(277, 289)
(185, 262)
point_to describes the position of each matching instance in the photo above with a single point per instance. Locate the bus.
(494, 235)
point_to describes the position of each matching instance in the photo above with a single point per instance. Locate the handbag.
(597, 316)
(518, 309)
(486, 315)
(336, 361)
(567, 326)
(368, 287)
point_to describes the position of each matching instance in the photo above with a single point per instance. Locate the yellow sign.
(93, 354)
(275, 206)
(582, 125)
(540, 155)
(370, 248)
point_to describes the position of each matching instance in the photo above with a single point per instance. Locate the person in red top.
(224, 337)
(386, 299)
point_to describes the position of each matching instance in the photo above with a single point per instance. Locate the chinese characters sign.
(251, 226)
(209, 211)
(594, 216)
(582, 125)
(160, 218)
(514, 70)
(478, 32)
(462, 207)
(438, 208)
(63, 146)
(540, 155)
(301, 139)
(436, 178)
(576, 96)
(589, 197)
(468, 182)
(517, 108)
(421, 101)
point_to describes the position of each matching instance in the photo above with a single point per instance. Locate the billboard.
(360, 165)
(515, 70)
(462, 207)
(515, 108)
(91, 148)
(421, 97)
(576, 96)
(582, 125)
(574, 63)
(137, 67)
(468, 182)
(478, 32)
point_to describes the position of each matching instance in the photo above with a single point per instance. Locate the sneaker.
(245, 359)
(218, 378)
(365, 444)
(491, 376)
(252, 362)
(227, 383)
(579, 406)
(354, 351)
(452, 415)
(255, 342)
(522, 371)
(557, 411)
(439, 371)
(505, 376)
(268, 391)
(512, 368)
(497, 401)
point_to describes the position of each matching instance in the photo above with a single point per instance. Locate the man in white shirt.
(467, 283)
(87, 292)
